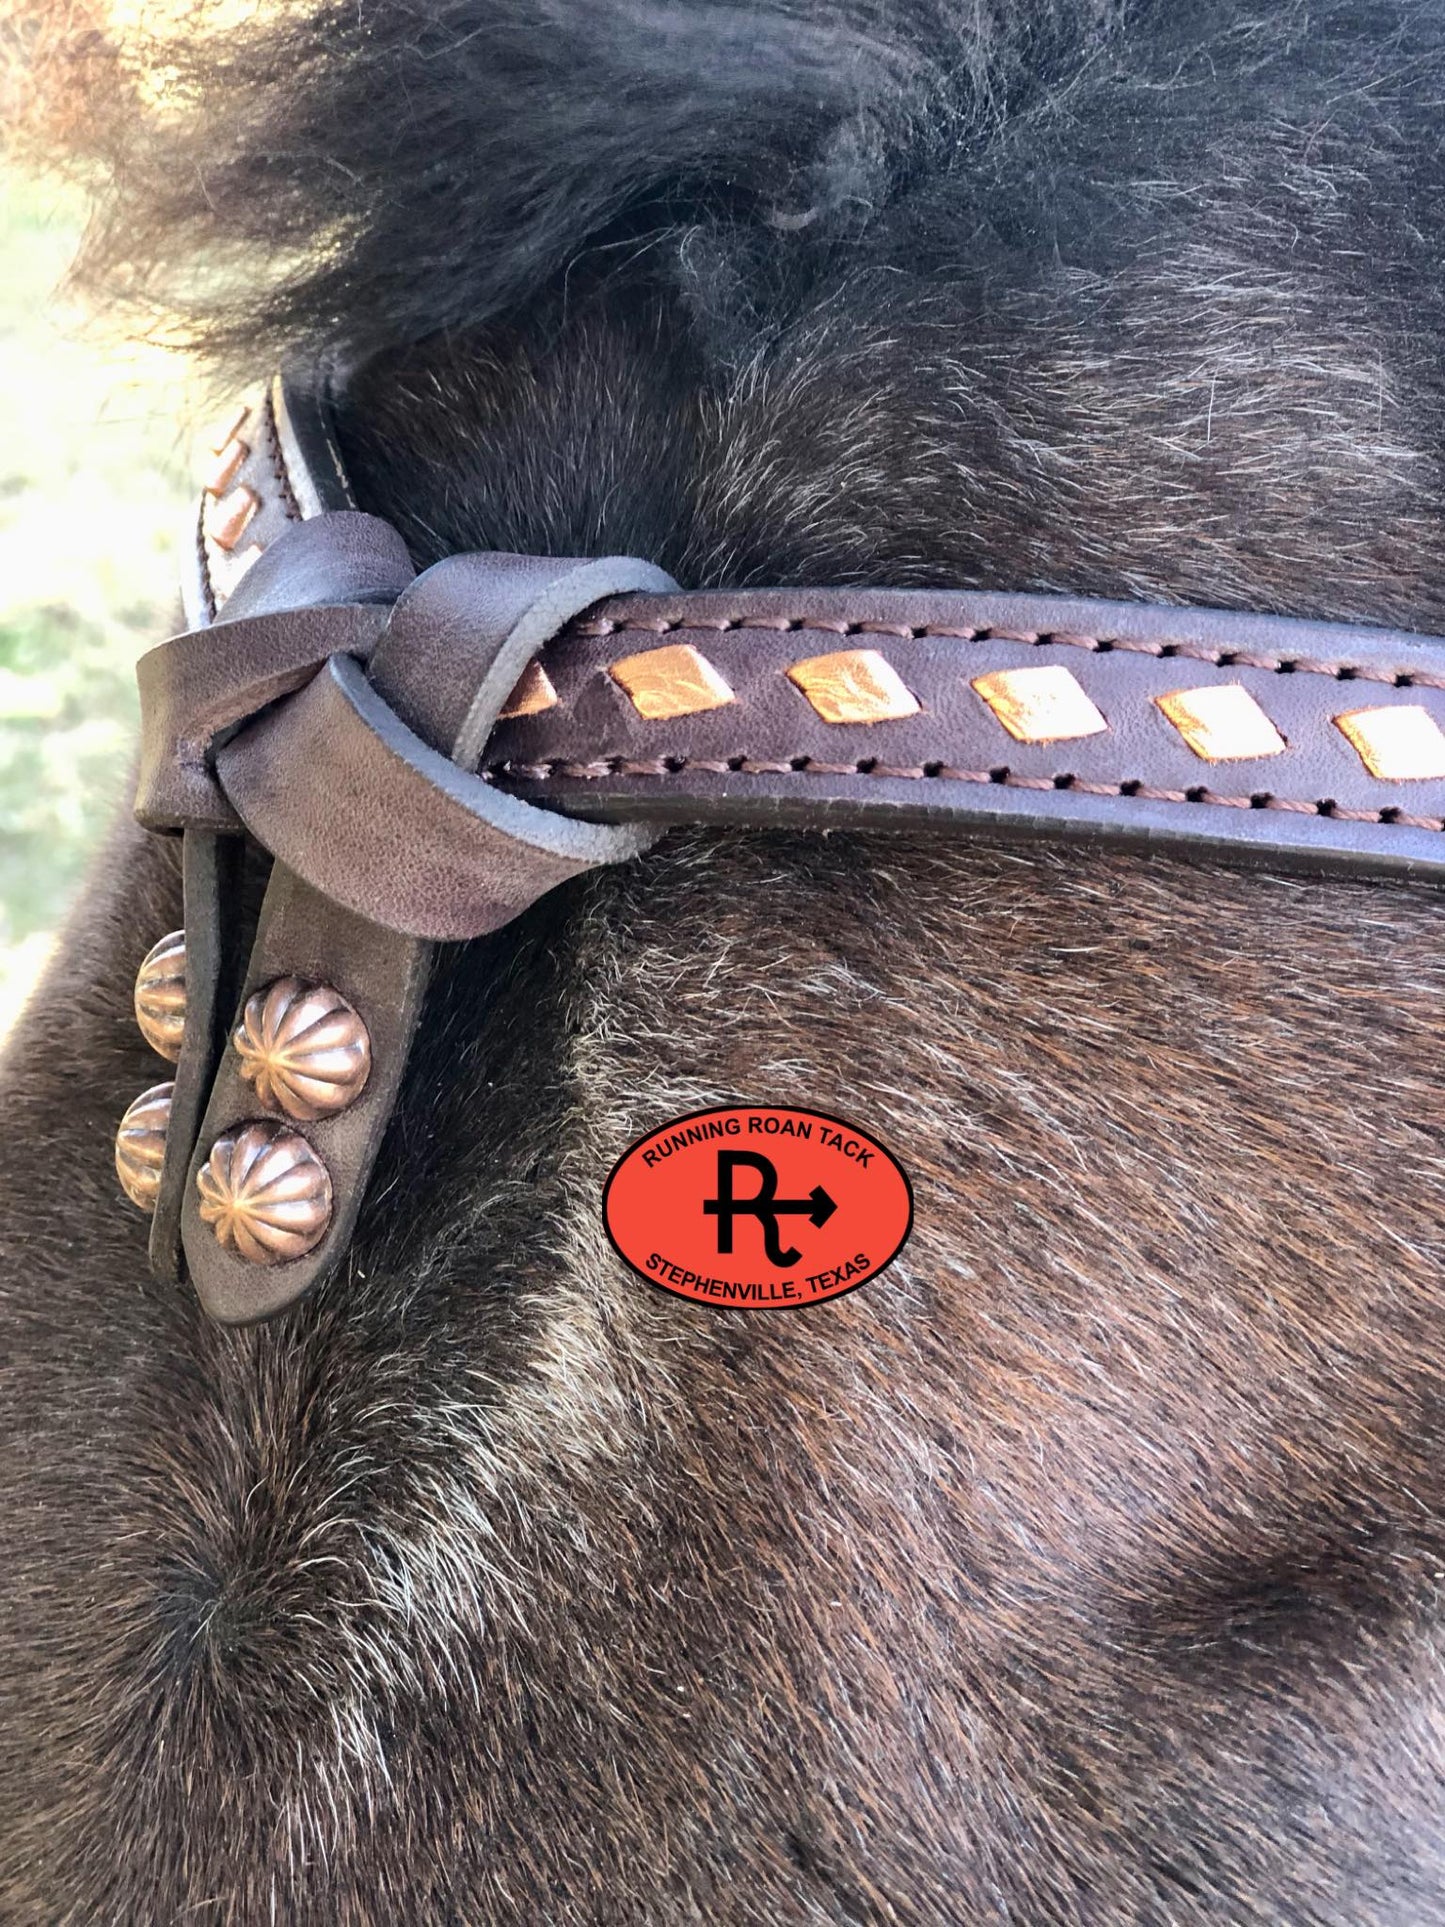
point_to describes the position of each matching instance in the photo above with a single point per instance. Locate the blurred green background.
(92, 501)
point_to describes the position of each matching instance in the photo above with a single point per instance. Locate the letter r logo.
(765, 1205)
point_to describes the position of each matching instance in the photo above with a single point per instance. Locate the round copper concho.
(303, 1049)
(265, 1193)
(140, 1146)
(160, 996)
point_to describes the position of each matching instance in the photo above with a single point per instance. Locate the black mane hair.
(369, 174)
(365, 175)
(1063, 293)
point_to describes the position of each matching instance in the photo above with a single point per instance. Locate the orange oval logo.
(757, 1207)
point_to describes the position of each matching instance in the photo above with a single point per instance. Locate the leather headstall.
(424, 755)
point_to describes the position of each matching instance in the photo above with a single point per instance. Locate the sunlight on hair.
(91, 507)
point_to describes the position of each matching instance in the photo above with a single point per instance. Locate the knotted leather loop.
(357, 804)
(323, 589)
(360, 808)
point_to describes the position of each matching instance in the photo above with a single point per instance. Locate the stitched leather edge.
(1040, 638)
(277, 455)
(1130, 788)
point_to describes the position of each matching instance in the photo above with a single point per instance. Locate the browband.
(425, 755)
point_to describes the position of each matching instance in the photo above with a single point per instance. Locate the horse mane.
(1047, 233)
(359, 176)
(347, 178)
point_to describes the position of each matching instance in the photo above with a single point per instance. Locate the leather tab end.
(382, 977)
(211, 875)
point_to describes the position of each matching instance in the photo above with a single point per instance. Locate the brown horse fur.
(1084, 1569)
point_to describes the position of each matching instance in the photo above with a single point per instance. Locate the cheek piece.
(423, 756)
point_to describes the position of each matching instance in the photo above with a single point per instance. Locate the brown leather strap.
(1342, 728)
(1274, 740)
(272, 463)
(421, 845)
(211, 880)
(383, 977)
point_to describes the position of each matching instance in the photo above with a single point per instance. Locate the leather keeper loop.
(354, 798)
(359, 807)
(187, 709)
(324, 588)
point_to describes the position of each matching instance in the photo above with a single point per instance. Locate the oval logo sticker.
(757, 1207)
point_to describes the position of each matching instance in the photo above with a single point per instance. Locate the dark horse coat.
(1085, 1569)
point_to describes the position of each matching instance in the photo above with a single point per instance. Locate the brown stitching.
(1096, 645)
(944, 772)
(278, 461)
(208, 587)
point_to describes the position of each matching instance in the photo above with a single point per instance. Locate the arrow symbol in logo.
(818, 1205)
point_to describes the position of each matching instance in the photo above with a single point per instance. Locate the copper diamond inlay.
(1400, 744)
(1222, 723)
(224, 467)
(228, 428)
(229, 519)
(675, 681)
(533, 694)
(1040, 705)
(854, 686)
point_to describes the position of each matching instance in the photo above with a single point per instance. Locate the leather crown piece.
(425, 755)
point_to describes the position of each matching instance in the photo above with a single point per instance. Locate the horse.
(1085, 1566)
